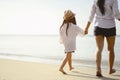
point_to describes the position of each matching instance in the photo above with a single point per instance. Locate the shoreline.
(21, 70)
(76, 62)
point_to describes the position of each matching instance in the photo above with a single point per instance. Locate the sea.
(47, 49)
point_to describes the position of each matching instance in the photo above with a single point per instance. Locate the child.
(68, 32)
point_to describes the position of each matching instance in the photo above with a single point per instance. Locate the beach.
(27, 57)
(25, 70)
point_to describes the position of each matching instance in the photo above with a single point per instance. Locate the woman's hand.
(86, 32)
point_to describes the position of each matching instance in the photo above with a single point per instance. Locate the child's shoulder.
(74, 25)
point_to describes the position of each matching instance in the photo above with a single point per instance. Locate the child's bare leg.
(69, 55)
(63, 64)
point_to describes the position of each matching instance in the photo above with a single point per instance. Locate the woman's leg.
(100, 44)
(111, 42)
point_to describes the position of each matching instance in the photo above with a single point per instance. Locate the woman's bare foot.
(98, 74)
(62, 71)
(112, 71)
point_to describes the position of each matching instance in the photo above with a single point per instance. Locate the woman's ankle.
(112, 71)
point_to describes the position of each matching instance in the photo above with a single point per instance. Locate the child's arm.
(80, 31)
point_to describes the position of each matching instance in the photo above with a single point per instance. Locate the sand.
(24, 70)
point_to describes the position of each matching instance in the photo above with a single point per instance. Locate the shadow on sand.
(79, 74)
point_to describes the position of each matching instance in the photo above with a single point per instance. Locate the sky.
(36, 17)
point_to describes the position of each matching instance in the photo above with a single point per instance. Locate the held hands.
(86, 31)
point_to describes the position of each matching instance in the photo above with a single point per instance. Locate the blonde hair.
(72, 20)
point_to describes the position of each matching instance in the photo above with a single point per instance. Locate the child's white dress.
(69, 41)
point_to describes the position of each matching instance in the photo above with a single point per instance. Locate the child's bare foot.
(71, 68)
(62, 71)
(112, 71)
